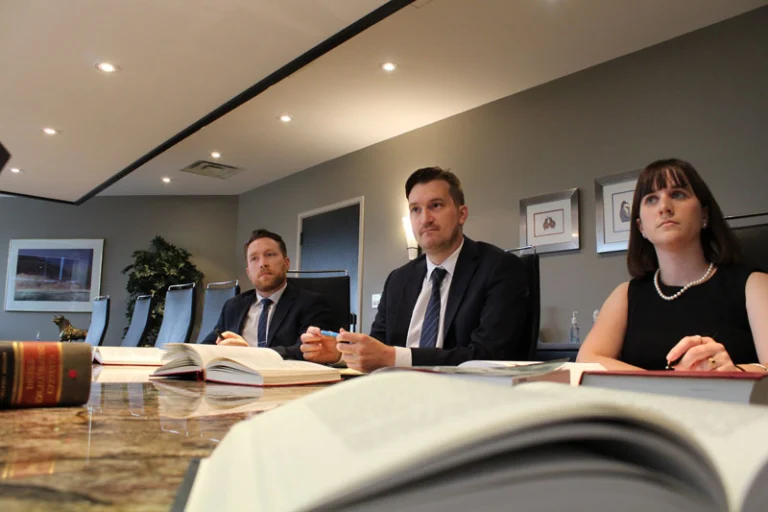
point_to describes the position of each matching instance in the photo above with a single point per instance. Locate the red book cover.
(44, 374)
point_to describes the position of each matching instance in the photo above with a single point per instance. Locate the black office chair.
(530, 260)
(139, 322)
(179, 315)
(752, 232)
(99, 321)
(333, 288)
(216, 294)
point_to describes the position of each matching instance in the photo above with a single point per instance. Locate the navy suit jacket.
(485, 314)
(296, 310)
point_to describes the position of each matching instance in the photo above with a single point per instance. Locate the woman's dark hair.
(717, 240)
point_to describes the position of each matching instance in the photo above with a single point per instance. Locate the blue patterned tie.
(432, 317)
(265, 304)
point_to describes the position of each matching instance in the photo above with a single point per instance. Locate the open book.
(576, 369)
(128, 356)
(249, 366)
(413, 441)
(507, 375)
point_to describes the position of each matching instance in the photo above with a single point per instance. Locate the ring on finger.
(712, 363)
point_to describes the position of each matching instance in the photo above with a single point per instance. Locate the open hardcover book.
(414, 441)
(249, 366)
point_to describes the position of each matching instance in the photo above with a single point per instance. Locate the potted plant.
(152, 272)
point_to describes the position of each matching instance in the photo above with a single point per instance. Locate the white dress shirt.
(251, 327)
(403, 356)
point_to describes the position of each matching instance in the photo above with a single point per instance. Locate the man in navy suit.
(275, 312)
(460, 300)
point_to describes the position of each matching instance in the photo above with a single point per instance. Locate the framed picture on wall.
(551, 222)
(613, 202)
(53, 275)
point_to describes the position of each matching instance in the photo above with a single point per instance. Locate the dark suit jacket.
(296, 310)
(485, 314)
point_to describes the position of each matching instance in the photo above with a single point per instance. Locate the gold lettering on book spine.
(18, 376)
(60, 380)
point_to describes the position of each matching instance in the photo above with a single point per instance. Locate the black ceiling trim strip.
(29, 196)
(299, 62)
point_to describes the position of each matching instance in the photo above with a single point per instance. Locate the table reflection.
(129, 445)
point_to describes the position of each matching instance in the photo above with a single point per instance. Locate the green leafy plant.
(151, 273)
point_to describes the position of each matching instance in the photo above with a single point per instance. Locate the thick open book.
(739, 387)
(413, 441)
(128, 356)
(249, 366)
(576, 369)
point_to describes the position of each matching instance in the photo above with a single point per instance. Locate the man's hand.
(363, 353)
(231, 339)
(318, 348)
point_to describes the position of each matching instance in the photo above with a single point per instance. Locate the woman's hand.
(701, 354)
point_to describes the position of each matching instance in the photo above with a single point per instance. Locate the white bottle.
(37, 338)
(573, 335)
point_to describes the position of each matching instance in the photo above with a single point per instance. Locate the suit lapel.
(462, 275)
(281, 311)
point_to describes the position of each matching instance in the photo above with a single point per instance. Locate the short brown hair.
(427, 174)
(717, 240)
(263, 233)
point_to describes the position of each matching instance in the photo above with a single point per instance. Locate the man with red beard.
(460, 300)
(275, 312)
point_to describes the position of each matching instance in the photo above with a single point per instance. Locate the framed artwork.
(551, 222)
(53, 275)
(613, 202)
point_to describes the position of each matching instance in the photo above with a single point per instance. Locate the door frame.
(360, 243)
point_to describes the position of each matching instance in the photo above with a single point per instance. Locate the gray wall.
(701, 97)
(205, 226)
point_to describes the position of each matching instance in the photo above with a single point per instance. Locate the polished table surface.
(127, 449)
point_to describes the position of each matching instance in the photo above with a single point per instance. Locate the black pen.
(218, 333)
(672, 364)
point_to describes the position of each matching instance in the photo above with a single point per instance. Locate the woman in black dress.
(689, 303)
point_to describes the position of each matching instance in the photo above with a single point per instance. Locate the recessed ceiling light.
(285, 118)
(215, 154)
(106, 67)
(166, 180)
(50, 131)
(389, 66)
(15, 170)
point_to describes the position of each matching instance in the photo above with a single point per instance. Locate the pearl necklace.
(684, 288)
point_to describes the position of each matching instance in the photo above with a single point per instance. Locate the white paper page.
(576, 368)
(135, 356)
(733, 435)
(360, 431)
(246, 355)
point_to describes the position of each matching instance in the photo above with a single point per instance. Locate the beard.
(438, 245)
(269, 283)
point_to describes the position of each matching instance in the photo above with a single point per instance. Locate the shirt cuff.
(403, 356)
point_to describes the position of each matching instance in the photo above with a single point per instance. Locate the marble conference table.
(127, 448)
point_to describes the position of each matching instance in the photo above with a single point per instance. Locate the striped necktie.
(432, 317)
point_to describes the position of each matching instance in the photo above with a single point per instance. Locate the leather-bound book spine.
(44, 374)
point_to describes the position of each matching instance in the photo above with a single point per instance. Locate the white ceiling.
(182, 59)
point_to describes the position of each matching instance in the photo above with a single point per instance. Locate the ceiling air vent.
(212, 169)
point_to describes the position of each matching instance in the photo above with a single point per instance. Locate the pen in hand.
(332, 334)
(671, 364)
